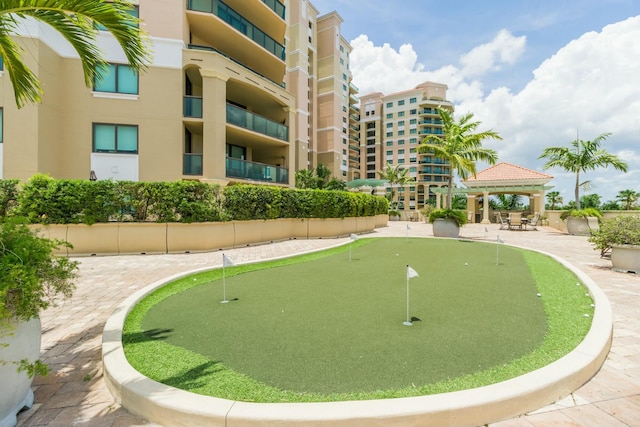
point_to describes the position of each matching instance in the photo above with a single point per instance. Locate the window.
(401, 102)
(116, 78)
(389, 134)
(413, 101)
(401, 123)
(111, 138)
(413, 121)
(389, 115)
(389, 152)
(400, 133)
(389, 143)
(401, 114)
(413, 111)
(389, 125)
(389, 104)
(401, 142)
(413, 131)
(413, 141)
(400, 152)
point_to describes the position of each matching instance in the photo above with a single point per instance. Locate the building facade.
(391, 128)
(231, 96)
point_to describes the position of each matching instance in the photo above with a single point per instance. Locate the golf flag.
(486, 230)
(226, 261)
(500, 240)
(408, 228)
(411, 273)
(353, 236)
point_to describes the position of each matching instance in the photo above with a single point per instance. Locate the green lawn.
(321, 327)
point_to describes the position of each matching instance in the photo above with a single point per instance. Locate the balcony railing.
(240, 23)
(191, 164)
(243, 118)
(276, 6)
(238, 168)
(192, 106)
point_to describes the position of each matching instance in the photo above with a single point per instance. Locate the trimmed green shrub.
(8, 195)
(459, 216)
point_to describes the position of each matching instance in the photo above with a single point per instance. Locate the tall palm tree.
(396, 176)
(628, 197)
(582, 156)
(554, 197)
(77, 21)
(459, 145)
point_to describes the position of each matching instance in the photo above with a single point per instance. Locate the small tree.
(554, 198)
(459, 146)
(396, 176)
(581, 156)
(628, 197)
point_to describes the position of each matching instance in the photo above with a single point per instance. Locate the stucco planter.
(626, 258)
(23, 339)
(582, 226)
(445, 228)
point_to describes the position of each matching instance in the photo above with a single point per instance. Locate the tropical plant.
(78, 22)
(611, 205)
(31, 277)
(581, 213)
(506, 202)
(318, 178)
(457, 215)
(621, 230)
(582, 156)
(459, 201)
(628, 197)
(395, 176)
(554, 198)
(459, 146)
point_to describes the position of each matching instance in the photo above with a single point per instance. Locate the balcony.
(256, 123)
(192, 106)
(191, 164)
(276, 6)
(237, 21)
(243, 169)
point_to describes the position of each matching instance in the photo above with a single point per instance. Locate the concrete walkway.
(74, 392)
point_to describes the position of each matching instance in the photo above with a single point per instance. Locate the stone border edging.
(170, 406)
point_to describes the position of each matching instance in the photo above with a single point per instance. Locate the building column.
(296, 150)
(471, 208)
(538, 202)
(214, 125)
(485, 208)
(438, 204)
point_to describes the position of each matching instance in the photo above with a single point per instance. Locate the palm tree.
(554, 197)
(395, 175)
(77, 21)
(581, 156)
(628, 197)
(459, 146)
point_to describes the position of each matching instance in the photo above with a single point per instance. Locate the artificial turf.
(331, 327)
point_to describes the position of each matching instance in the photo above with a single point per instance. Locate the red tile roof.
(507, 172)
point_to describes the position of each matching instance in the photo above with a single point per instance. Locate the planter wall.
(626, 258)
(15, 387)
(158, 238)
(446, 228)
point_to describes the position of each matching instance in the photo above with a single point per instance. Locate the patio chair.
(515, 220)
(504, 222)
(534, 222)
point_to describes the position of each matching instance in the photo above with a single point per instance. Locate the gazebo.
(501, 178)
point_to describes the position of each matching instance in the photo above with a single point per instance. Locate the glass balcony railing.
(191, 164)
(276, 6)
(240, 23)
(238, 168)
(192, 106)
(243, 118)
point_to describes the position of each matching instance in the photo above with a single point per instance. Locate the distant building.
(391, 128)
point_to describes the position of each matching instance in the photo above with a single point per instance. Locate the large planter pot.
(582, 226)
(443, 227)
(626, 258)
(23, 339)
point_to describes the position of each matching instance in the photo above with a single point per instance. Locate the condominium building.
(391, 128)
(231, 96)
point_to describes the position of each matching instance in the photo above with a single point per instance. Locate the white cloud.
(591, 85)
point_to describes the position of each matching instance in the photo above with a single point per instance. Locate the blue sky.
(534, 71)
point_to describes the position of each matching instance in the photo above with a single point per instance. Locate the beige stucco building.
(232, 95)
(391, 128)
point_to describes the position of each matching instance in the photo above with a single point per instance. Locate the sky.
(537, 72)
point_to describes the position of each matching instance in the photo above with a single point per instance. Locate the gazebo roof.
(370, 182)
(507, 174)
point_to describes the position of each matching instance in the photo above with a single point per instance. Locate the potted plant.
(447, 222)
(31, 278)
(582, 222)
(394, 215)
(621, 235)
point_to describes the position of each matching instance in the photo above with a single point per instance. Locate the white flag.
(500, 240)
(411, 273)
(408, 228)
(353, 236)
(226, 261)
(486, 230)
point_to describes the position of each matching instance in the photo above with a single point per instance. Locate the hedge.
(45, 200)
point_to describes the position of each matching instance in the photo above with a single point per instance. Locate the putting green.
(332, 325)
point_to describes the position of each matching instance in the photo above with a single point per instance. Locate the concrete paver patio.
(74, 392)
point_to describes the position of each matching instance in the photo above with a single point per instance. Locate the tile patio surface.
(74, 392)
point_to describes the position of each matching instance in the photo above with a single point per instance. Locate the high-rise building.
(231, 96)
(391, 128)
